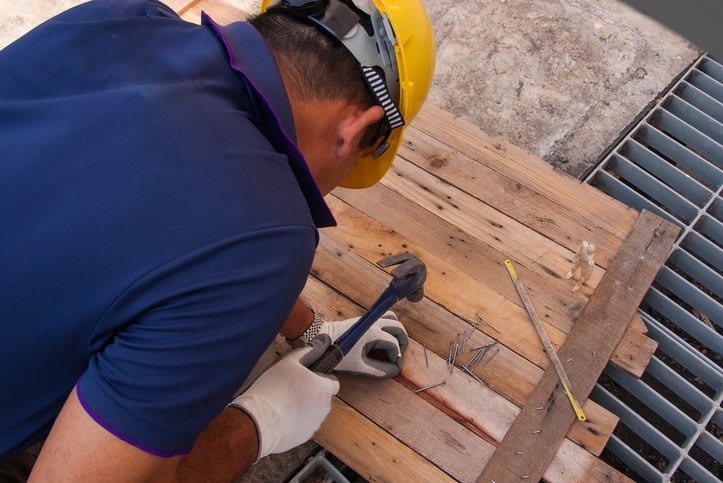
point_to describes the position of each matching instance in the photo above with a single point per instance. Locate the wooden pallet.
(463, 202)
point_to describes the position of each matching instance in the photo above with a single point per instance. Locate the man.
(162, 186)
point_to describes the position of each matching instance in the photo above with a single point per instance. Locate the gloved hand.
(387, 334)
(289, 402)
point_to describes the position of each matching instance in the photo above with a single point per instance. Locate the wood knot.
(437, 162)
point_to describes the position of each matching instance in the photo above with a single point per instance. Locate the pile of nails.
(469, 368)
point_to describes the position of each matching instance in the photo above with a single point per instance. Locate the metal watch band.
(315, 326)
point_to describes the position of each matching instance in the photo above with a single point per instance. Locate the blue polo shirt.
(157, 221)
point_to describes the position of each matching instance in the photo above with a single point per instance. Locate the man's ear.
(352, 125)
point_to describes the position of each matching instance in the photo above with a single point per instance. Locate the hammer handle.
(335, 353)
(328, 360)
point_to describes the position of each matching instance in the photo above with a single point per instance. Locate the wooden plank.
(598, 329)
(634, 351)
(558, 223)
(529, 171)
(507, 374)
(446, 285)
(180, 6)
(419, 425)
(221, 12)
(428, 323)
(371, 451)
(449, 286)
(638, 325)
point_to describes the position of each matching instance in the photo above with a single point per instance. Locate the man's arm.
(288, 403)
(298, 321)
(79, 449)
(223, 451)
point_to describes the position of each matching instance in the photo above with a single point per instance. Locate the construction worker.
(161, 187)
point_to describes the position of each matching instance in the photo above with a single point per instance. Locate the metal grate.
(671, 163)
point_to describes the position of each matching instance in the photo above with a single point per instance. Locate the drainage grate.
(672, 164)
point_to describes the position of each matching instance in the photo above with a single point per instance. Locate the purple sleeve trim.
(291, 144)
(120, 435)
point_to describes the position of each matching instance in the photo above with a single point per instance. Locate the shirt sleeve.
(195, 328)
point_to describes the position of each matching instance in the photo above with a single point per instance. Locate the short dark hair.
(319, 67)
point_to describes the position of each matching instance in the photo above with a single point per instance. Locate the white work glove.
(386, 334)
(289, 402)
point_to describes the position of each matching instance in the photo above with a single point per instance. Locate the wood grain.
(221, 12)
(371, 451)
(511, 161)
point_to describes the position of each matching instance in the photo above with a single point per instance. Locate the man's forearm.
(223, 451)
(299, 320)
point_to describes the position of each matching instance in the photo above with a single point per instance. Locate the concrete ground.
(562, 79)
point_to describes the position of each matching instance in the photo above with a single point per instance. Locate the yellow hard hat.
(407, 76)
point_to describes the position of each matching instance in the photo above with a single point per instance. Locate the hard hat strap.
(380, 91)
(339, 21)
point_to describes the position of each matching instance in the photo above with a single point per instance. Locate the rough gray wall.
(558, 78)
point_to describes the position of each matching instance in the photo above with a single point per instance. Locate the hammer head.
(409, 277)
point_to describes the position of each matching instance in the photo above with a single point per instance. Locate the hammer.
(408, 282)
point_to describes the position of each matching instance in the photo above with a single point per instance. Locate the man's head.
(316, 67)
(373, 65)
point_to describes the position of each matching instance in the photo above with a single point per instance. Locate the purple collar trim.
(322, 218)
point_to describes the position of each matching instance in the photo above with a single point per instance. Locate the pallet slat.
(349, 435)
(463, 402)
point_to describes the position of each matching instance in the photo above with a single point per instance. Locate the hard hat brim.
(368, 170)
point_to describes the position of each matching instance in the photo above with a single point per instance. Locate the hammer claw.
(394, 260)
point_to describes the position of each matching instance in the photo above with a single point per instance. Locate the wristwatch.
(312, 331)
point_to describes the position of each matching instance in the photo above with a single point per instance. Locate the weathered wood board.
(463, 202)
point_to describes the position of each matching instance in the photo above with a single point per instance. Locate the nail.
(430, 387)
(463, 317)
(536, 432)
(478, 357)
(472, 374)
(568, 360)
(541, 407)
(485, 321)
(490, 358)
(464, 341)
(593, 353)
(449, 358)
(519, 452)
(425, 356)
